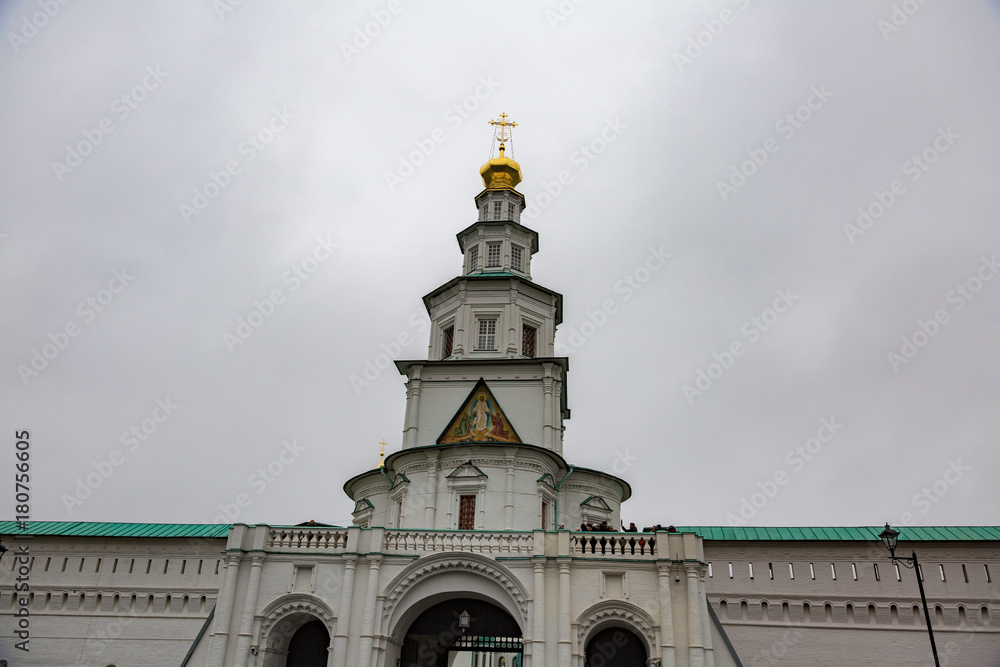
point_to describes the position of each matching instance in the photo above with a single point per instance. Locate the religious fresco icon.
(479, 420)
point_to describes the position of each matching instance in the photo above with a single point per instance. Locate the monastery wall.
(846, 601)
(109, 601)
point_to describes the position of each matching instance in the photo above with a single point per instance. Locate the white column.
(706, 621)
(344, 613)
(249, 608)
(224, 613)
(430, 498)
(378, 649)
(538, 631)
(412, 426)
(667, 652)
(548, 434)
(368, 620)
(508, 502)
(697, 650)
(557, 433)
(565, 642)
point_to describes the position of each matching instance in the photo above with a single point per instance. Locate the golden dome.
(500, 173)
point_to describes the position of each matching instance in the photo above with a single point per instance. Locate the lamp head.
(889, 538)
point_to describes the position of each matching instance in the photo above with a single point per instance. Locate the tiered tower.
(482, 437)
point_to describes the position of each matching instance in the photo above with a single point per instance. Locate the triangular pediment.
(362, 505)
(480, 419)
(597, 503)
(467, 471)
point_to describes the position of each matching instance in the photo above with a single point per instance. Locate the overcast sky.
(823, 176)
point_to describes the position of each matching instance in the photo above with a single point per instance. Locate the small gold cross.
(503, 124)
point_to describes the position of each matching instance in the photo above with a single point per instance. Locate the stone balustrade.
(471, 541)
(404, 542)
(638, 546)
(308, 539)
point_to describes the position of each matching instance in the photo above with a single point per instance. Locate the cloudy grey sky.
(168, 167)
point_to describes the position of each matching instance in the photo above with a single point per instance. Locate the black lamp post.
(889, 538)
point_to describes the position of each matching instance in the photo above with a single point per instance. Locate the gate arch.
(616, 614)
(281, 619)
(447, 575)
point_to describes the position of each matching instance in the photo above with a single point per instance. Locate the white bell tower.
(492, 322)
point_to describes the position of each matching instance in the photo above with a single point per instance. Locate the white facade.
(480, 511)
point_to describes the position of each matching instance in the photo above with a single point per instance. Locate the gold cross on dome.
(381, 453)
(503, 123)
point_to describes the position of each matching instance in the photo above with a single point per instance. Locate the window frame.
(447, 341)
(470, 497)
(490, 246)
(525, 327)
(517, 252)
(485, 320)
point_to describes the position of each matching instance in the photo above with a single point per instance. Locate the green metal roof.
(711, 533)
(90, 529)
(839, 534)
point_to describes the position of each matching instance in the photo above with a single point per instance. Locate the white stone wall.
(366, 585)
(510, 483)
(822, 620)
(110, 601)
(559, 595)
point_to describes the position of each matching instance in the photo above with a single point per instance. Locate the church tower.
(483, 427)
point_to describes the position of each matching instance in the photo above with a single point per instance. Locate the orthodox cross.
(381, 453)
(503, 123)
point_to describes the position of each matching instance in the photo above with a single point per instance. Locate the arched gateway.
(462, 632)
(615, 647)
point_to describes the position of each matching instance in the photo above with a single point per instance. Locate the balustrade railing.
(613, 545)
(629, 546)
(307, 539)
(418, 541)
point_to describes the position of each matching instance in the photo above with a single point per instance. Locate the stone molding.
(622, 613)
(430, 566)
(480, 462)
(594, 490)
(290, 604)
(839, 618)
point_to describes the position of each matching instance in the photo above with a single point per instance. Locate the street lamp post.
(889, 538)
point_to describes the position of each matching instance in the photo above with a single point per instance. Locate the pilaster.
(344, 612)
(696, 631)
(664, 570)
(368, 618)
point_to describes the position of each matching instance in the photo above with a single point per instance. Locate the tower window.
(492, 255)
(515, 258)
(448, 339)
(473, 258)
(466, 512)
(497, 210)
(528, 336)
(510, 211)
(487, 335)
